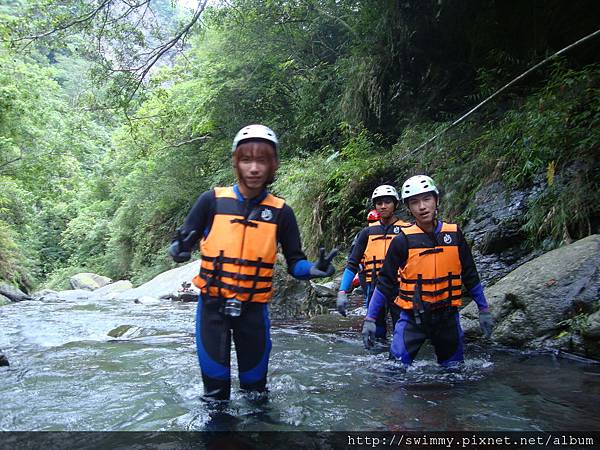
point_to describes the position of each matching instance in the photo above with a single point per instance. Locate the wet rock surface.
(495, 229)
(12, 293)
(4, 300)
(548, 302)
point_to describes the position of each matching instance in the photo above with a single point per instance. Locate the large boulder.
(495, 229)
(14, 294)
(88, 281)
(164, 284)
(4, 300)
(110, 291)
(545, 302)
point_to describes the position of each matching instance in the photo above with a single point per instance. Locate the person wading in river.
(369, 252)
(240, 227)
(425, 267)
(373, 218)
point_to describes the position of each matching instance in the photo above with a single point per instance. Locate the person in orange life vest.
(424, 270)
(240, 227)
(370, 249)
(372, 219)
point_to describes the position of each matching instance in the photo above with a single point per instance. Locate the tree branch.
(189, 141)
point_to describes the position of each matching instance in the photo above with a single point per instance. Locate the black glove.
(180, 248)
(342, 302)
(323, 267)
(368, 333)
(486, 322)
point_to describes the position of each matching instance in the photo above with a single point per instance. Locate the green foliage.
(58, 280)
(351, 90)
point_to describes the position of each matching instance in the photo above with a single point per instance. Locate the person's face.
(255, 165)
(423, 207)
(385, 207)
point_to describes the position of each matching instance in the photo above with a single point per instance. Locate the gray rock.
(70, 295)
(326, 289)
(45, 294)
(289, 294)
(14, 294)
(110, 291)
(4, 300)
(495, 229)
(593, 326)
(164, 284)
(333, 323)
(532, 304)
(132, 332)
(88, 281)
(4, 361)
(147, 300)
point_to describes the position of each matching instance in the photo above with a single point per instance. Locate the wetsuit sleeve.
(469, 275)
(387, 282)
(358, 250)
(288, 236)
(199, 218)
(352, 266)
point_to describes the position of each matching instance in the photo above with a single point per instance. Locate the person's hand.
(368, 333)
(323, 267)
(180, 248)
(486, 322)
(342, 302)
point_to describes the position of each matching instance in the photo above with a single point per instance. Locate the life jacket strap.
(431, 251)
(245, 222)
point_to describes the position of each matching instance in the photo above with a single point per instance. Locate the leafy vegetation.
(92, 183)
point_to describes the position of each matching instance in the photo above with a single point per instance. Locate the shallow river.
(67, 373)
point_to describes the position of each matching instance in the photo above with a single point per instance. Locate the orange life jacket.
(377, 246)
(239, 253)
(433, 268)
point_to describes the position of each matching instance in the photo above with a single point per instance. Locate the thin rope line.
(520, 77)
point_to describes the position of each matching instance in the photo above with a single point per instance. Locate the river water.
(68, 374)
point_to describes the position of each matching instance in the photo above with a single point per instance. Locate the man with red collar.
(240, 228)
(424, 270)
(369, 251)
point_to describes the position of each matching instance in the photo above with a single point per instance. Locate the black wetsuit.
(251, 330)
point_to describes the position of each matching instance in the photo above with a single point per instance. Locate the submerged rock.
(147, 300)
(4, 361)
(132, 332)
(332, 323)
(542, 301)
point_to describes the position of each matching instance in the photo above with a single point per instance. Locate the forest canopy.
(106, 141)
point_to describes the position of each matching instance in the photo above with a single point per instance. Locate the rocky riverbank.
(550, 302)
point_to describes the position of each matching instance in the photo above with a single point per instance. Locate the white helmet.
(254, 132)
(385, 190)
(419, 184)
